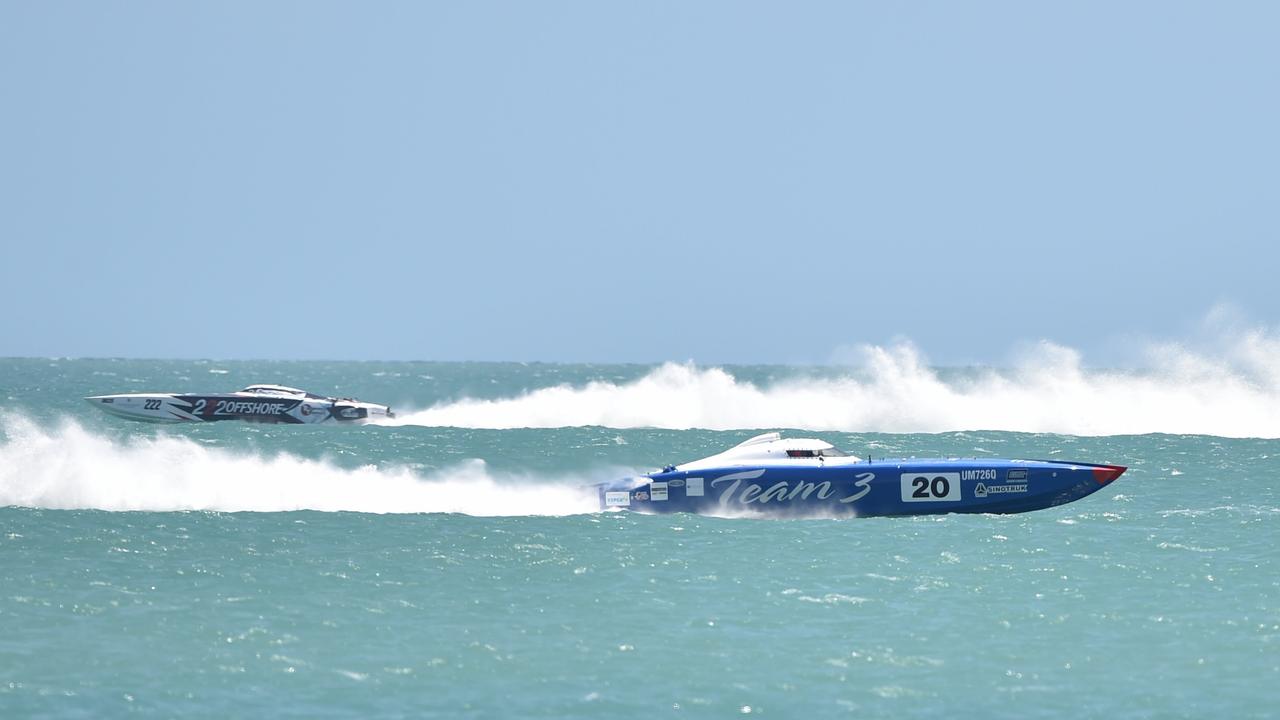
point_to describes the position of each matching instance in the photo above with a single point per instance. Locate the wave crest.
(1048, 390)
(71, 468)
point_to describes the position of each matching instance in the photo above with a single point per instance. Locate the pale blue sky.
(600, 181)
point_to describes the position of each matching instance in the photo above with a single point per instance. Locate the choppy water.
(461, 572)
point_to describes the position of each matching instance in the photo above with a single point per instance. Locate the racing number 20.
(931, 487)
(926, 488)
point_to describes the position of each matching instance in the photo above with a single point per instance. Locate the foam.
(72, 468)
(1231, 392)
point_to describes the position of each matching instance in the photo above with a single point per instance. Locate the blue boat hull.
(864, 489)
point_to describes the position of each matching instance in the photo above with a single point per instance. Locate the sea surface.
(450, 564)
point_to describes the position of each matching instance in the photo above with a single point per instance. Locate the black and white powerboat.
(256, 403)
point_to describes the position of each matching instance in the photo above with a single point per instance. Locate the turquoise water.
(458, 569)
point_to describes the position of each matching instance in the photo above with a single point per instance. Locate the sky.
(722, 182)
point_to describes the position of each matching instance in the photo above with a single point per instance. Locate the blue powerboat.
(772, 475)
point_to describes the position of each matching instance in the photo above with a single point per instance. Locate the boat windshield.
(821, 452)
(272, 390)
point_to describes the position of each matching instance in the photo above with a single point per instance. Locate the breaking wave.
(1233, 393)
(71, 468)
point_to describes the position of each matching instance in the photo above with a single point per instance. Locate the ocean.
(451, 564)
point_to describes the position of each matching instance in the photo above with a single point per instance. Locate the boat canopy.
(770, 448)
(280, 390)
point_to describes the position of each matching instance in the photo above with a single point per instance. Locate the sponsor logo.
(694, 488)
(642, 496)
(617, 499)
(305, 409)
(676, 483)
(250, 407)
(985, 490)
(783, 490)
(657, 491)
(977, 474)
(1019, 474)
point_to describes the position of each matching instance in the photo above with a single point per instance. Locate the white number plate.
(931, 487)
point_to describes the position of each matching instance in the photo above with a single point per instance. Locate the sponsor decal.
(985, 490)
(676, 483)
(756, 493)
(977, 474)
(305, 409)
(931, 487)
(250, 407)
(617, 499)
(1018, 474)
(694, 488)
(642, 496)
(657, 491)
